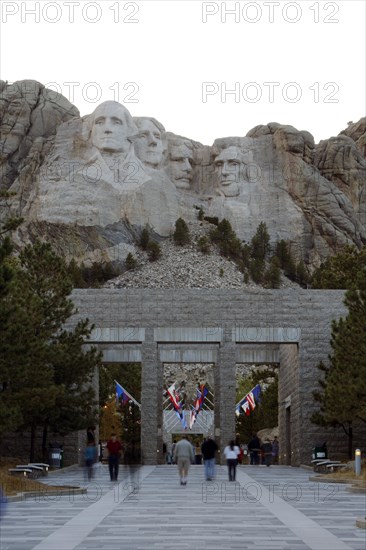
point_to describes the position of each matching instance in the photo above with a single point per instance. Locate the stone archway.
(223, 327)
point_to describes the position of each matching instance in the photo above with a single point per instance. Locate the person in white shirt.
(231, 453)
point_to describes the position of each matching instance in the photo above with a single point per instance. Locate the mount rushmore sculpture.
(90, 184)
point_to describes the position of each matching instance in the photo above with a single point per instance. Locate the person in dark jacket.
(267, 452)
(90, 435)
(254, 446)
(209, 448)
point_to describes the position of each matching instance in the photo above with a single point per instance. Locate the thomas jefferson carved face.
(149, 144)
(112, 127)
(180, 165)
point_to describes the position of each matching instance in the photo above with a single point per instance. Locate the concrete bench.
(317, 460)
(36, 471)
(20, 472)
(45, 467)
(323, 466)
(334, 465)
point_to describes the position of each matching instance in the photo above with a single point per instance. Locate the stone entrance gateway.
(223, 327)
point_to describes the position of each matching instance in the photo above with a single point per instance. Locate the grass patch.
(12, 485)
(348, 475)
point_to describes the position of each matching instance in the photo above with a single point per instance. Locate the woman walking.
(231, 453)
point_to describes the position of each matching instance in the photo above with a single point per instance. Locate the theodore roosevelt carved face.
(179, 167)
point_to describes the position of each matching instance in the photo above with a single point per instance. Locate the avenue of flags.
(177, 402)
(245, 406)
(202, 391)
(248, 402)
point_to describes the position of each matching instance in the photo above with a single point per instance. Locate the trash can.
(55, 457)
(320, 451)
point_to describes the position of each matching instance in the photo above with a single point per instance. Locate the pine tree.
(144, 239)
(256, 270)
(282, 251)
(203, 245)
(272, 276)
(45, 368)
(342, 397)
(154, 251)
(130, 262)
(344, 270)
(181, 234)
(76, 273)
(301, 274)
(225, 238)
(260, 242)
(9, 408)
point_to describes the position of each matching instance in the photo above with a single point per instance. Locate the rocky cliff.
(89, 185)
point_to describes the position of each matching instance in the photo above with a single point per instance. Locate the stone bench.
(317, 460)
(334, 465)
(322, 467)
(20, 472)
(36, 471)
(44, 467)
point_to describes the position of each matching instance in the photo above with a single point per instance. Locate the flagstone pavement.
(276, 508)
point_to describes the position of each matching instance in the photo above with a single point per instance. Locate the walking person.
(231, 453)
(254, 446)
(90, 435)
(114, 448)
(275, 450)
(183, 456)
(198, 453)
(90, 459)
(209, 448)
(267, 452)
(3, 504)
(172, 450)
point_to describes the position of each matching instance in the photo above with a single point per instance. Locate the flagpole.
(243, 398)
(129, 395)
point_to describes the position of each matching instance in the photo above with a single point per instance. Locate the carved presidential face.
(229, 166)
(111, 128)
(180, 165)
(149, 146)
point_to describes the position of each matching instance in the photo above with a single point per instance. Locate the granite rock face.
(89, 185)
(29, 115)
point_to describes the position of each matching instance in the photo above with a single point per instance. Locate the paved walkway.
(275, 508)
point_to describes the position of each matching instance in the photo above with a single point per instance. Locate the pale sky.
(300, 63)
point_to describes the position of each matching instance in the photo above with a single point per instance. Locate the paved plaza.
(275, 508)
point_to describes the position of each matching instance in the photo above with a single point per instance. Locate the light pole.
(358, 462)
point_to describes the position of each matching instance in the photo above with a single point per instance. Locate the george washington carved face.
(112, 128)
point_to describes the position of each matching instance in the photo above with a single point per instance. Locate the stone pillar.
(150, 403)
(225, 393)
(289, 405)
